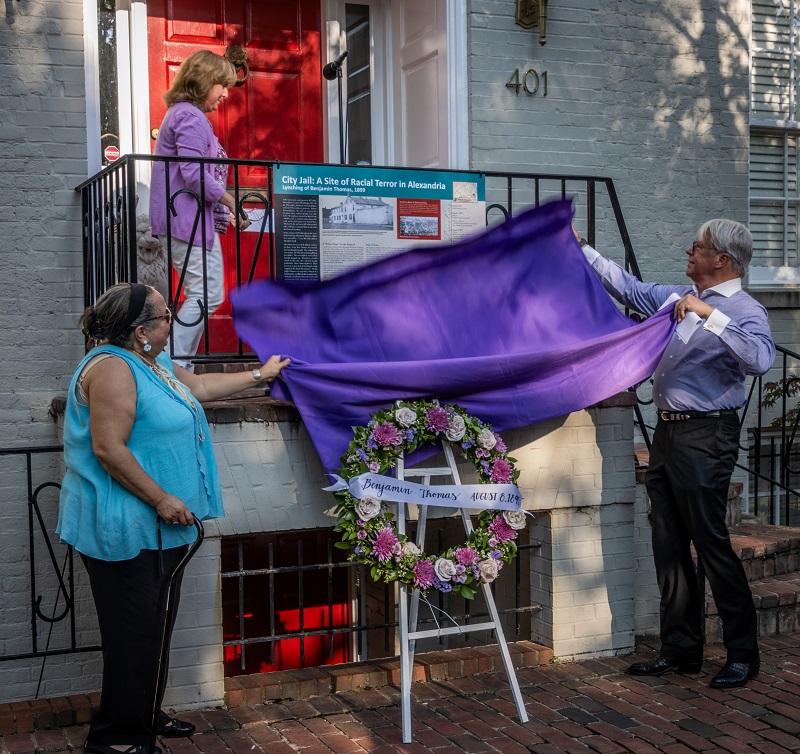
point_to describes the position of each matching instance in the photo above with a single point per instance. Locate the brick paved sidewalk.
(589, 706)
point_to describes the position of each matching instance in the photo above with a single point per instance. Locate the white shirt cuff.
(590, 253)
(716, 322)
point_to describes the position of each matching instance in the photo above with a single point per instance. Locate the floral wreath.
(368, 527)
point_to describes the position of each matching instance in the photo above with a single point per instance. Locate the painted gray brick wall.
(43, 147)
(635, 92)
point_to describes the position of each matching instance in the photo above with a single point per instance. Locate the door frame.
(133, 80)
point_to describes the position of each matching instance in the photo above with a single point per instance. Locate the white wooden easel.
(408, 619)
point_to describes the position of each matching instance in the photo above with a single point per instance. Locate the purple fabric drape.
(511, 324)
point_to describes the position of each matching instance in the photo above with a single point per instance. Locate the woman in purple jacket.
(200, 85)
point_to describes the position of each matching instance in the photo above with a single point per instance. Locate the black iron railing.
(768, 440)
(50, 565)
(114, 202)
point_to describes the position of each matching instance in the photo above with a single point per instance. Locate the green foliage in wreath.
(368, 527)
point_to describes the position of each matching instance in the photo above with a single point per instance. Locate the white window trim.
(761, 278)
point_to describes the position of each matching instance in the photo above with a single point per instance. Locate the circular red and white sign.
(111, 153)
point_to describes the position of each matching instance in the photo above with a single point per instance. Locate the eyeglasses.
(167, 316)
(697, 245)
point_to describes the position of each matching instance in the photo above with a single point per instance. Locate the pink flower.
(501, 471)
(437, 419)
(374, 467)
(465, 556)
(383, 544)
(481, 453)
(500, 447)
(501, 530)
(423, 574)
(386, 434)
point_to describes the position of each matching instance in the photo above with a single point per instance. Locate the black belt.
(680, 416)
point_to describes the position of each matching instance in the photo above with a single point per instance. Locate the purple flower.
(362, 454)
(497, 555)
(501, 530)
(359, 550)
(386, 434)
(481, 453)
(371, 444)
(460, 569)
(423, 574)
(501, 471)
(374, 467)
(467, 444)
(466, 555)
(409, 434)
(500, 447)
(460, 578)
(485, 466)
(442, 586)
(362, 534)
(436, 419)
(383, 544)
(492, 541)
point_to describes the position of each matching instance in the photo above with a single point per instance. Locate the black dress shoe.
(171, 727)
(662, 665)
(103, 749)
(734, 674)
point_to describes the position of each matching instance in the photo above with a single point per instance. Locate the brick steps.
(777, 603)
(446, 665)
(771, 559)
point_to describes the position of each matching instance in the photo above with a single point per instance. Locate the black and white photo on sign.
(356, 213)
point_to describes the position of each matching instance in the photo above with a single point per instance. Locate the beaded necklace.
(176, 386)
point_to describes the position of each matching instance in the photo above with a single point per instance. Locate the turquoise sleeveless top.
(170, 440)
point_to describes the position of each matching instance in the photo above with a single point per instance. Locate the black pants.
(691, 463)
(131, 601)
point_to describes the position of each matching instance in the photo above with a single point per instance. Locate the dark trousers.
(691, 463)
(131, 601)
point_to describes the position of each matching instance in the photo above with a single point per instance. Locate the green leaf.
(342, 545)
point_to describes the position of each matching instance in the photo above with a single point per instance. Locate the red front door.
(275, 115)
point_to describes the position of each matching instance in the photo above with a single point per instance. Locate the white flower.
(410, 548)
(486, 438)
(368, 508)
(456, 428)
(405, 417)
(489, 570)
(515, 519)
(445, 569)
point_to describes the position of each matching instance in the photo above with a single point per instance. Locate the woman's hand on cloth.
(209, 387)
(272, 367)
(174, 511)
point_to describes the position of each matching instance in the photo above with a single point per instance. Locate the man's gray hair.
(731, 237)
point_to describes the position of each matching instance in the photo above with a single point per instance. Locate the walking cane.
(170, 611)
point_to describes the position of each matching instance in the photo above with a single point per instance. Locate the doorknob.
(237, 55)
(153, 133)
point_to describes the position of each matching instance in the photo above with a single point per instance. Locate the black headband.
(136, 303)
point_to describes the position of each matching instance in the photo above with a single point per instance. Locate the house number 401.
(531, 82)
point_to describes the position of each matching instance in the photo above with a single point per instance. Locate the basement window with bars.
(774, 133)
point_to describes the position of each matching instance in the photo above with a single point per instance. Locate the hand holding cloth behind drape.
(511, 324)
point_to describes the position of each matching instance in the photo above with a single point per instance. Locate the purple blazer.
(185, 132)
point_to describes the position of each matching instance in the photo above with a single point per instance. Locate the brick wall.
(636, 92)
(43, 143)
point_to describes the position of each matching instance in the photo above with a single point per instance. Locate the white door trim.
(91, 73)
(457, 84)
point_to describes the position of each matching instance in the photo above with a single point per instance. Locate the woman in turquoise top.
(139, 467)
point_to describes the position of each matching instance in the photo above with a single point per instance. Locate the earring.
(147, 346)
